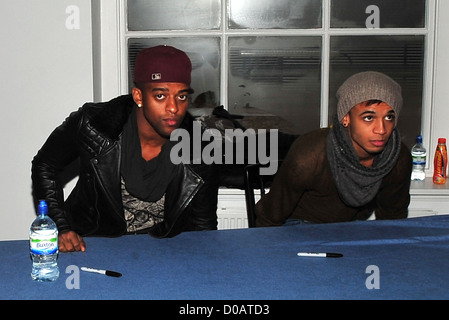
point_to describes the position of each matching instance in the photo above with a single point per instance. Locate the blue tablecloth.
(398, 259)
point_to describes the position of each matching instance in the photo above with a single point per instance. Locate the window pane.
(205, 56)
(268, 14)
(392, 14)
(400, 57)
(278, 77)
(146, 15)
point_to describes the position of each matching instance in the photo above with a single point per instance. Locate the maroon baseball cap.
(162, 64)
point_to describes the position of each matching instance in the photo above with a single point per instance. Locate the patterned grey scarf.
(357, 185)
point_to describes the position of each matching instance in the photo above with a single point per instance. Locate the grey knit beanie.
(368, 85)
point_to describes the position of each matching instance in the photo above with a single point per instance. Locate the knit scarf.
(357, 185)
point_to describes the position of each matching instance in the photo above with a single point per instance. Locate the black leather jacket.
(91, 137)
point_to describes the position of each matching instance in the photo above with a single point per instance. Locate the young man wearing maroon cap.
(127, 182)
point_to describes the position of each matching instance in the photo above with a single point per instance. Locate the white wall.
(46, 72)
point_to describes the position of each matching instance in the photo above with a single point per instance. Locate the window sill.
(417, 188)
(427, 187)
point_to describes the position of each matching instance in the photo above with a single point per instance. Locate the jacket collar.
(110, 117)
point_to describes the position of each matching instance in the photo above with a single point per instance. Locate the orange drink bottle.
(440, 162)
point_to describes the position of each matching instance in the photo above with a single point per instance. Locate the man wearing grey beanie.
(357, 167)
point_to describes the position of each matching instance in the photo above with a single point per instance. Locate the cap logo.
(156, 76)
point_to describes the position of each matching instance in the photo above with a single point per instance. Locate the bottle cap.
(441, 140)
(42, 208)
(419, 139)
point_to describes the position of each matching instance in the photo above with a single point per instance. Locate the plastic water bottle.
(419, 155)
(44, 246)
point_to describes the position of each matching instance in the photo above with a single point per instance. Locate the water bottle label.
(44, 246)
(419, 160)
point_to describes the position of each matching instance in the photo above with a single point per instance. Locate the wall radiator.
(232, 221)
(231, 209)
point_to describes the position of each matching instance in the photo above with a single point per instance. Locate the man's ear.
(137, 95)
(346, 120)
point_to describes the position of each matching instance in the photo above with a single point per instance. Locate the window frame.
(111, 78)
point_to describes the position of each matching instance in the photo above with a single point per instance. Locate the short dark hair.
(373, 101)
